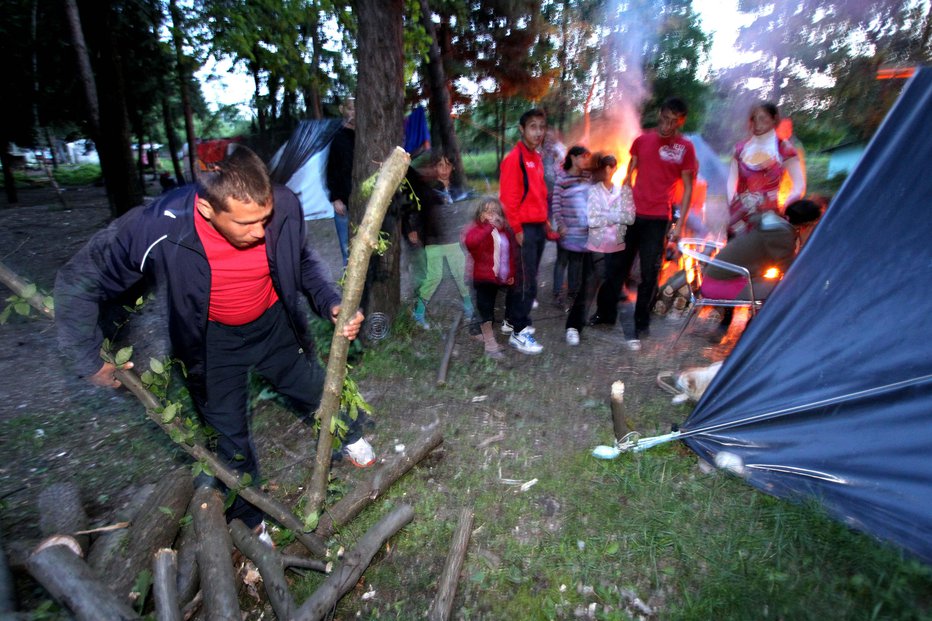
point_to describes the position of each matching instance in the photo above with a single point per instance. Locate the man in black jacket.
(232, 256)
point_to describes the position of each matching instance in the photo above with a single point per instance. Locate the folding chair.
(702, 252)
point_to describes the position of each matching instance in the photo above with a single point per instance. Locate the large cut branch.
(61, 512)
(70, 581)
(442, 605)
(354, 564)
(165, 585)
(214, 556)
(381, 479)
(364, 243)
(154, 527)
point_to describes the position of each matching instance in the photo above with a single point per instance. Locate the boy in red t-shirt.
(659, 160)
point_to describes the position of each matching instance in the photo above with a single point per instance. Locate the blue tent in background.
(828, 394)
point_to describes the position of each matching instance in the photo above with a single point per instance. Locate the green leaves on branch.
(21, 305)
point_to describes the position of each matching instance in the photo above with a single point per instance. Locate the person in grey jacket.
(231, 255)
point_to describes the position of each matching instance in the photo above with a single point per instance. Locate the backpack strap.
(527, 186)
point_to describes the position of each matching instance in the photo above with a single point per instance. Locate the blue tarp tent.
(828, 394)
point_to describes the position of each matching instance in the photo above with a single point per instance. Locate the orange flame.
(773, 273)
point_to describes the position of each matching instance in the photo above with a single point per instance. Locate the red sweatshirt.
(533, 209)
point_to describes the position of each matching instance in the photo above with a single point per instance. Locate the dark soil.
(54, 427)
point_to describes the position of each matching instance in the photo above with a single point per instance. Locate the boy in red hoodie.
(523, 193)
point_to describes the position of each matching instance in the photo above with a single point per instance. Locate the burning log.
(61, 512)
(165, 585)
(442, 605)
(354, 564)
(72, 583)
(214, 554)
(448, 350)
(155, 527)
(364, 242)
(380, 480)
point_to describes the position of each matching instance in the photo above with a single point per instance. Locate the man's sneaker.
(360, 453)
(507, 328)
(633, 344)
(262, 532)
(534, 304)
(525, 343)
(572, 336)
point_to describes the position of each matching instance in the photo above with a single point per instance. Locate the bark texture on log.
(61, 512)
(165, 585)
(188, 581)
(108, 545)
(271, 568)
(354, 564)
(442, 605)
(155, 527)
(214, 556)
(75, 585)
(361, 248)
(381, 479)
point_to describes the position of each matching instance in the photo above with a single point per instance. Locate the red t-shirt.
(661, 162)
(240, 283)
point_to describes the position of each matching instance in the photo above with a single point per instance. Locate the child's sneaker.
(360, 453)
(524, 342)
(507, 328)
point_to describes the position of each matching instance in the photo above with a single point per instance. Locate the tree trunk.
(260, 106)
(113, 139)
(170, 135)
(183, 76)
(84, 66)
(9, 181)
(440, 106)
(108, 545)
(354, 564)
(379, 128)
(214, 556)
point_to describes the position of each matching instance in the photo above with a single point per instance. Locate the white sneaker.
(360, 453)
(525, 343)
(534, 304)
(633, 345)
(572, 336)
(262, 531)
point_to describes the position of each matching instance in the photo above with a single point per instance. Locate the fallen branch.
(165, 585)
(108, 545)
(269, 563)
(364, 242)
(381, 479)
(448, 350)
(75, 585)
(354, 564)
(214, 556)
(442, 605)
(20, 286)
(188, 581)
